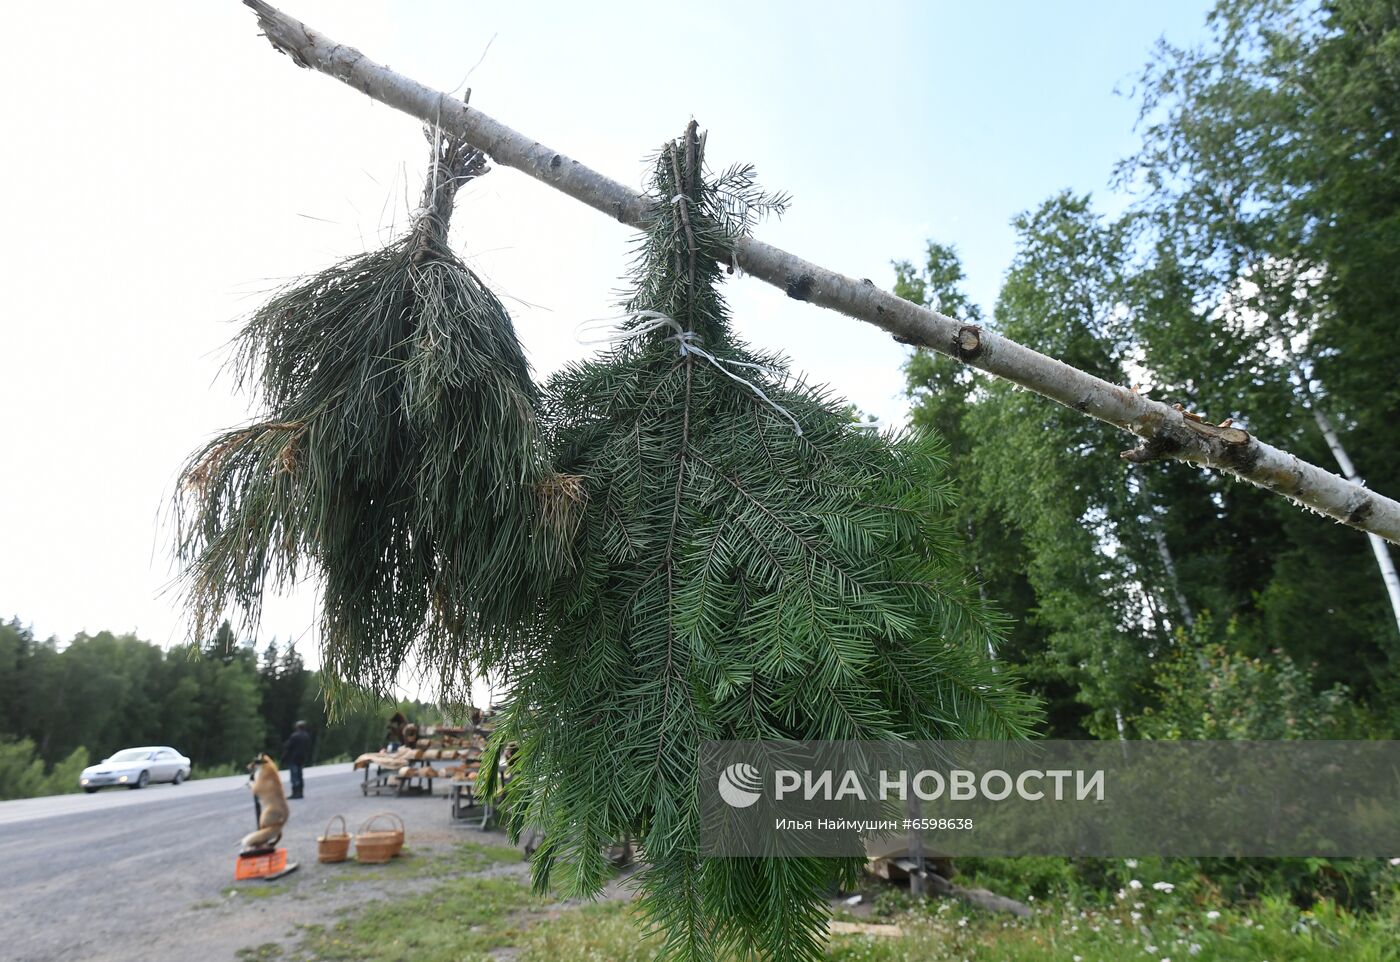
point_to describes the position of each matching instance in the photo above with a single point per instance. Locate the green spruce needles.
(398, 461)
(733, 578)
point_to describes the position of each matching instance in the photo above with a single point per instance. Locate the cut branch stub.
(1229, 444)
(968, 343)
(1162, 429)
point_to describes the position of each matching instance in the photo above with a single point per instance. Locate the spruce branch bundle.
(399, 460)
(734, 579)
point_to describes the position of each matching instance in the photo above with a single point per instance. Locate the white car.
(137, 768)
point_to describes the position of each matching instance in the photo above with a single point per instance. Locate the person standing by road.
(295, 755)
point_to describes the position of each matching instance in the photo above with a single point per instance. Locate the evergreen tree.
(282, 681)
(16, 650)
(748, 566)
(1096, 580)
(943, 394)
(181, 722)
(1080, 555)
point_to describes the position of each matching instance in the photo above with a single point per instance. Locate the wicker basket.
(377, 845)
(398, 841)
(333, 846)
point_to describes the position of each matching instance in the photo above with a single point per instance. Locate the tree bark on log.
(983, 899)
(1164, 432)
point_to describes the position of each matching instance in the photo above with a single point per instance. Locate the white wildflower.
(1212, 915)
(1163, 886)
(1134, 884)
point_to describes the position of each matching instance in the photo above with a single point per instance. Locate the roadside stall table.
(412, 769)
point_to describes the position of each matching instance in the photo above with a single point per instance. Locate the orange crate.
(258, 866)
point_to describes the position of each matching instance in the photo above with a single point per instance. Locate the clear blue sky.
(164, 166)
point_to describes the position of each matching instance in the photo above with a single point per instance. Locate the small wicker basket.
(376, 845)
(333, 846)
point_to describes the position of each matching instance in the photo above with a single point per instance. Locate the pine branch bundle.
(398, 460)
(733, 579)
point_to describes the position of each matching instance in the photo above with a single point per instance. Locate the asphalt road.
(126, 874)
(111, 799)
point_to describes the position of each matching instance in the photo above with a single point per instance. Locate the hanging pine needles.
(398, 460)
(748, 567)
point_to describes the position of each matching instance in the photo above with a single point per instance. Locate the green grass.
(1271, 930)
(258, 890)
(471, 857)
(464, 919)
(463, 858)
(944, 932)
(459, 921)
(592, 933)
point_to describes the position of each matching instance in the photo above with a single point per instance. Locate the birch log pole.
(1163, 431)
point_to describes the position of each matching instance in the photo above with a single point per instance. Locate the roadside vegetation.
(475, 918)
(23, 773)
(66, 705)
(1144, 924)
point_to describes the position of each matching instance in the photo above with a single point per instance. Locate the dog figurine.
(266, 784)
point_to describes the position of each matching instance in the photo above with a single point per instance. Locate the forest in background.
(64, 706)
(1250, 271)
(1254, 275)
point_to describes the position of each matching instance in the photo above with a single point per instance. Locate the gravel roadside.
(148, 875)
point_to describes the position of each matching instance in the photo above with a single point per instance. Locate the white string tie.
(686, 346)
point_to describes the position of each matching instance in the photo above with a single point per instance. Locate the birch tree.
(1270, 182)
